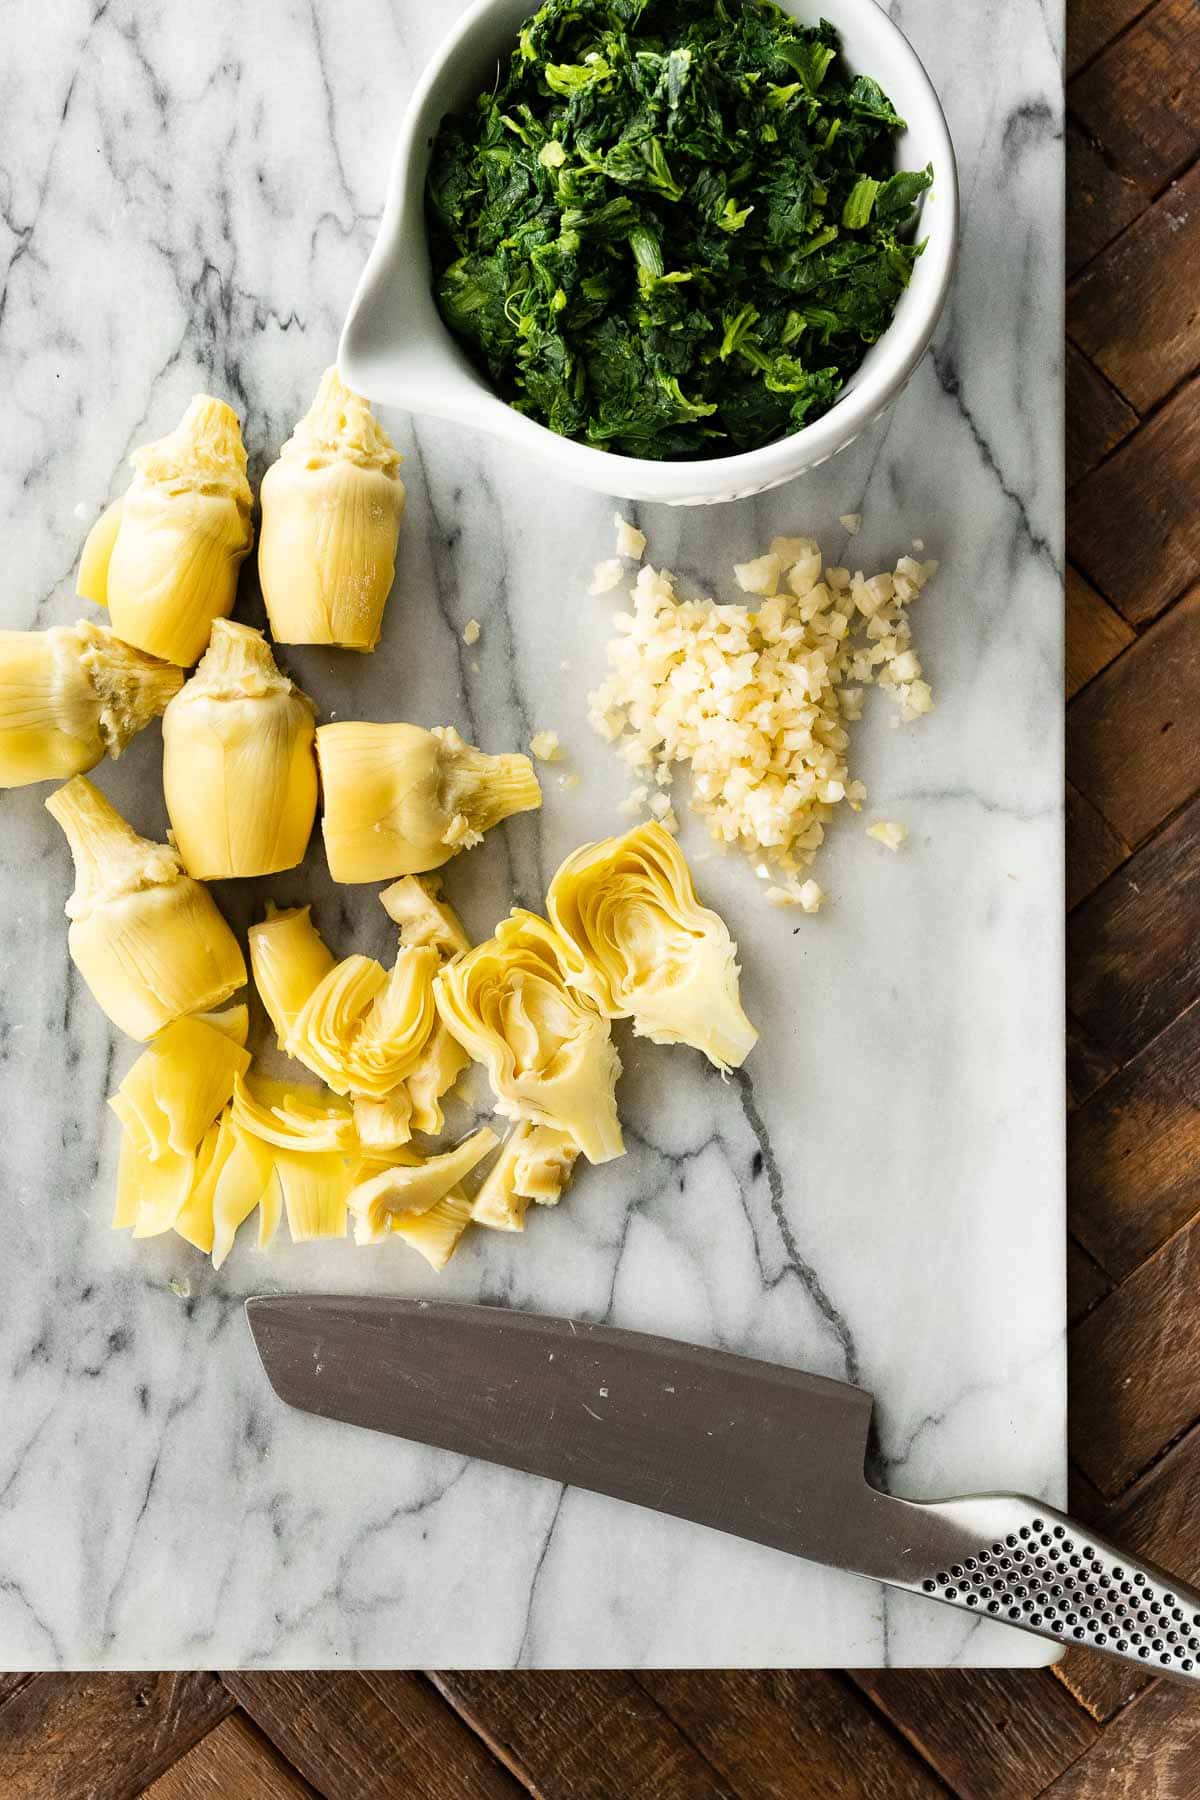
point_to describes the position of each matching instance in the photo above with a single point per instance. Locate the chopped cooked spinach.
(674, 227)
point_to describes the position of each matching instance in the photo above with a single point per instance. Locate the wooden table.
(1086, 1730)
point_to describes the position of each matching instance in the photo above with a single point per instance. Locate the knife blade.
(763, 1452)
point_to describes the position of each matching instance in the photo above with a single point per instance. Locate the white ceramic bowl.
(396, 350)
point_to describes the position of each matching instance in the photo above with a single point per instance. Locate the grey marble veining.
(186, 198)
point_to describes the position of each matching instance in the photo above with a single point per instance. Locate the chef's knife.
(764, 1452)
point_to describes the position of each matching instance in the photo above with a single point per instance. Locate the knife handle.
(1006, 1557)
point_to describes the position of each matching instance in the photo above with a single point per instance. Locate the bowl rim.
(902, 345)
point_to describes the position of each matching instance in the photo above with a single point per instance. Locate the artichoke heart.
(411, 1184)
(178, 1085)
(384, 1125)
(547, 1048)
(400, 800)
(435, 1232)
(545, 1159)
(238, 1174)
(289, 957)
(331, 512)
(640, 944)
(433, 1074)
(193, 1221)
(363, 1027)
(164, 559)
(314, 1188)
(71, 696)
(497, 1203)
(313, 1146)
(534, 1163)
(232, 1022)
(239, 770)
(368, 1032)
(246, 1180)
(150, 1195)
(91, 583)
(299, 1119)
(147, 939)
(415, 904)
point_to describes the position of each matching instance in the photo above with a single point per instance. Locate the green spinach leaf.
(673, 227)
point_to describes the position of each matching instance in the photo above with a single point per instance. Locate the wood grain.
(1088, 1066)
(1086, 1281)
(102, 1737)
(1133, 524)
(1096, 633)
(1159, 1517)
(10, 1683)
(1133, 739)
(1147, 1753)
(1101, 199)
(1149, 274)
(1098, 418)
(1133, 1364)
(1100, 1684)
(1092, 24)
(1141, 97)
(371, 1736)
(1094, 849)
(234, 1762)
(1133, 948)
(1133, 1174)
(992, 1734)
(775, 1734)
(588, 1736)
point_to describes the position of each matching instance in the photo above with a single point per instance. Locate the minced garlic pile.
(757, 702)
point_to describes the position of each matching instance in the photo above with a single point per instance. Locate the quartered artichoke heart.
(71, 696)
(415, 904)
(534, 1163)
(290, 1117)
(239, 769)
(387, 1123)
(370, 1033)
(232, 1022)
(639, 943)
(177, 1087)
(313, 1148)
(433, 1075)
(400, 800)
(331, 512)
(235, 1173)
(434, 1233)
(546, 1047)
(183, 1164)
(364, 1027)
(168, 1105)
(164, 558)
(148, 939)
(394, 1197)
(288, 957)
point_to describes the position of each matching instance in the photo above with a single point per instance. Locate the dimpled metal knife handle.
(1032, 1567)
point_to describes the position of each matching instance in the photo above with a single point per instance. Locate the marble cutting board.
(187, 197)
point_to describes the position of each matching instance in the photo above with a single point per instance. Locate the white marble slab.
(186, 198)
